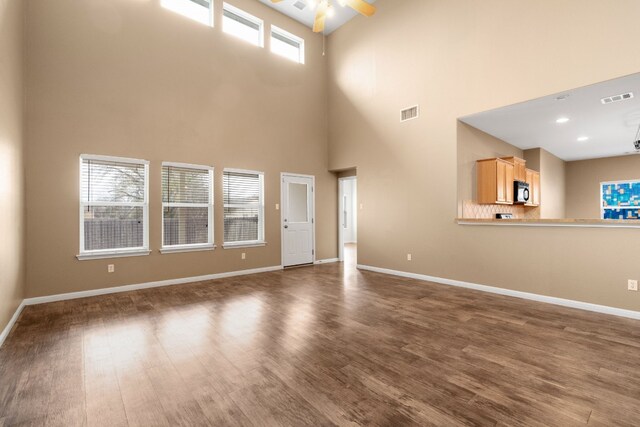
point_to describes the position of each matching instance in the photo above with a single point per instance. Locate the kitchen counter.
(596, 223)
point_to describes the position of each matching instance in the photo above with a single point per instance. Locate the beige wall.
(455, 58)
(128, 78)
(552, 182)
(347, 173)
(552, 186)
(533, 158)
(12, 223)
(584, 178)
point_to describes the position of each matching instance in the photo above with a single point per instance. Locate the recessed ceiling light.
(583, 138)
(562, 120)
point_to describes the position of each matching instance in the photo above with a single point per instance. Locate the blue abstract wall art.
(621, 200)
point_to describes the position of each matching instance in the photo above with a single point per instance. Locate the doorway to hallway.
(348, 218)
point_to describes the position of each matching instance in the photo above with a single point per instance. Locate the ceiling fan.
(324, 7)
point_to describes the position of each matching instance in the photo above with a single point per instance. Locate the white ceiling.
(306, 16)
(611, 128)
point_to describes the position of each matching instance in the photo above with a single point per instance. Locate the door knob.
(286, 226)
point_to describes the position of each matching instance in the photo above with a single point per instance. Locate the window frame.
(603, 208)
(211, 22)
(283, 33)
(210, 245)
(244, 15)
(261, 211)
(114, 253)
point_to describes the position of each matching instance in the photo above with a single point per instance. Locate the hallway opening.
(348, 217)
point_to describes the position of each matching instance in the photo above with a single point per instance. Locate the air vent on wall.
(409, 113)
(300, 5)
(616, 98)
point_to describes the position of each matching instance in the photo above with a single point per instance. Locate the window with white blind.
(187, 207)
(241, 24)
(243, 193)
(114, 207)
(198, 10)
(287, 45)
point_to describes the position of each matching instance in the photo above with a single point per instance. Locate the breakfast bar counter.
(569, 222)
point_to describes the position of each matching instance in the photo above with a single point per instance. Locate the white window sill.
(235, 245)
(186, 248)
(118, 254)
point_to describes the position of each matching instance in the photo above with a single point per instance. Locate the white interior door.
(297, 220)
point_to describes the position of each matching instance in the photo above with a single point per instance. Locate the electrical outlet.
(111, 268)
(244, 255)
(632, 285)
(408, 257)
(277, 206)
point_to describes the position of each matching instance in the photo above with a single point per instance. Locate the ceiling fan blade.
(321, 16)
(361, 7)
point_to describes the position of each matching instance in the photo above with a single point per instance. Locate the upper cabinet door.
(501, 177)
(509, 176)
(519, 167)
(494, 181)
(536, 189)
(504, 182)
(533, 179)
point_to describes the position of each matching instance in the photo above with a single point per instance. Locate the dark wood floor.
(320, 345)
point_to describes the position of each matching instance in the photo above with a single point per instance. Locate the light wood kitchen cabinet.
(533, 179)
(495, 181)
(519, 168)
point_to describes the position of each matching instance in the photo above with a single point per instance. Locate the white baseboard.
(326, 261)
(12, 321)
(509, 292)
(127, 288)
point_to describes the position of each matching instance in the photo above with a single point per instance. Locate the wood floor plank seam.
(320, 345)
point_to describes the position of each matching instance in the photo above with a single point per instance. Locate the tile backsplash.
(471, 209)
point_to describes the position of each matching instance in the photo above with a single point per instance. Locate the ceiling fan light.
(331, 11)
(312, 3)
(342, 3)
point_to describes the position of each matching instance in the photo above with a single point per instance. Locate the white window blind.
(243, 193)
(287, 45)
(198, 10)
(240, 24)
(113, 205)
(187, 206)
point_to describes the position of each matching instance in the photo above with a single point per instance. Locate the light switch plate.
(408, 257)
(632, 285)
(244, 255)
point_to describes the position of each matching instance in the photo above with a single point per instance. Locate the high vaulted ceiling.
(343, 14)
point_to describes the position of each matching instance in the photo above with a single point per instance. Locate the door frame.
(341, 207)
(313, 213)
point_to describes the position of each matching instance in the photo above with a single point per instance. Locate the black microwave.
(520, 192)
